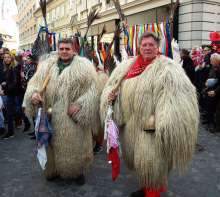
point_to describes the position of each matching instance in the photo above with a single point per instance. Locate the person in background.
(2, 120)
(1, 65)
(197, 56)
(2, 78)
(30, 67)
(201, 75)
(20, 115)
(9, 88)
(213, 94)
(188, 64)
(207, 54)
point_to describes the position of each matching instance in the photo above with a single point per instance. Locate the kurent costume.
(158, 89)
(102, 80)
(70, 153)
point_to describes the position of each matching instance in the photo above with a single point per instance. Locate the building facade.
(7, 40)
(136, 12)
(26, 22)
(195, 18)
(8, 34)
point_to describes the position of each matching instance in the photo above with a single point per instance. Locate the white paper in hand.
(42, 156)
(37, 121)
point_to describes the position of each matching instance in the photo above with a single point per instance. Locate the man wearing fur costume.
(157, 112)
(73, 95)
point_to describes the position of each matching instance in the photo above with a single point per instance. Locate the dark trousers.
(217, 116)
(19, 112)
(10, 111)
(210, 109)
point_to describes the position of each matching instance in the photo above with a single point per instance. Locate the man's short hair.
(65, 41)
(148, 35)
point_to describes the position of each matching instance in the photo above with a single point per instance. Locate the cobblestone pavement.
(21, 175)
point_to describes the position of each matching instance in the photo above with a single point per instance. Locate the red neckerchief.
(138, 67)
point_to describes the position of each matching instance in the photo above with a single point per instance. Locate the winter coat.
(189, 68)
(164, 91)
(10, 79)
(201, 75)
(71, 151)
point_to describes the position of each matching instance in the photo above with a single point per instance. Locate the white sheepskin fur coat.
(70, 153)
(164, 91)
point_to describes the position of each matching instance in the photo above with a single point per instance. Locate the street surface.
(21, 175)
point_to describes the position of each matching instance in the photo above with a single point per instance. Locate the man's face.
(149, 48)
(7, 59)
(66, 51)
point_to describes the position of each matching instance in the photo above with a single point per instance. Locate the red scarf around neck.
(138, 67)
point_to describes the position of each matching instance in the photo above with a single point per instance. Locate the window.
(57, 12)
(53, 14)
(65, 8)
(83, 14)
(62, 10)
(72, 4)
(109, 4)
(48, 18)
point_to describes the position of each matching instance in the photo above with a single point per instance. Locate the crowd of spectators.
(15, 72)
(202, 66)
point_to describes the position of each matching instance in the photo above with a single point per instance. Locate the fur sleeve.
(88, 116)
(176, 115)
(35, 84)
(115, 78)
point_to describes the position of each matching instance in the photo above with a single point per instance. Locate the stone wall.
(197, 19)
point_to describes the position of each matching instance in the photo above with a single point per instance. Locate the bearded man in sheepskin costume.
(156, 109)
(73, 95)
